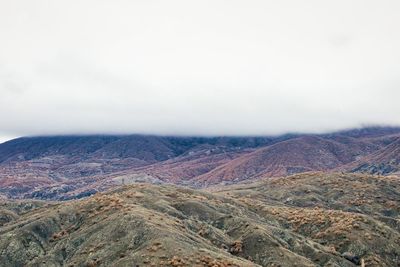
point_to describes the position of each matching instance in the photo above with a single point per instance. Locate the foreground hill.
(311, 219)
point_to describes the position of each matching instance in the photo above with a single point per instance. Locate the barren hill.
(64, 167)
(302, 220)
(308, 153)
(383, 161)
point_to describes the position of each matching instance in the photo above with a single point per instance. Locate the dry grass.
(326, 222)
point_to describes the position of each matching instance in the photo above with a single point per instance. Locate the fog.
(197, 67)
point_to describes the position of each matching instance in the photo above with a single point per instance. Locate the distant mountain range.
(64, 167)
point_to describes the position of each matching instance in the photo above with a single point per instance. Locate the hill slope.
(39, 163)
(147, 148)
(64, 167)
(302, 154)
(384, 161)
(268, 223)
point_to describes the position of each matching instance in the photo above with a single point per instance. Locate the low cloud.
(209, 68)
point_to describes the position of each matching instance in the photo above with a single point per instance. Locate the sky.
(197, 67)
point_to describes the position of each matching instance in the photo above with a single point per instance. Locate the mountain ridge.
(63, 167)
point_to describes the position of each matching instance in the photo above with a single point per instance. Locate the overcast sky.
(197, 67)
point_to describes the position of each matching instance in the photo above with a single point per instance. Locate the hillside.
(64, 167)
(184, 168)
(383, 161)
(147, 148)
(64, 163)
(293, 221)
(302, 154)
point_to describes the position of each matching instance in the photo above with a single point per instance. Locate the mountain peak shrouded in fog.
(204, 68)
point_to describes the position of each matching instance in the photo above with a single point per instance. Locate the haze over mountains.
(199, 133)
(64, 167)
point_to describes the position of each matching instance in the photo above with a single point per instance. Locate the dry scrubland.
(72, 167)
(310, 219)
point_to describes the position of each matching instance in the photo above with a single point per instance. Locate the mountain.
(196, 162)
(28, 148)
(64, 167)
(367, 132)
(302, 154)
(146, 148)
(61, 166)
(310, 219)
(383, 161)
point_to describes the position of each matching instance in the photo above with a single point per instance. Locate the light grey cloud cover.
(197, 67)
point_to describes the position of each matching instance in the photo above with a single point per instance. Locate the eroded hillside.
(69, 167)
(304, 220)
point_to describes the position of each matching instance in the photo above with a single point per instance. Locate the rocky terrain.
(311, 219)
(384, 161)
(65, 167)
